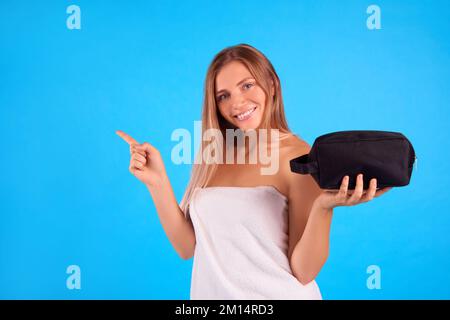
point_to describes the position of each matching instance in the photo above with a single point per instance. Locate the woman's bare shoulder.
(293, 145)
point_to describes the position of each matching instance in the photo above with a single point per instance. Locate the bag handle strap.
(303, 165)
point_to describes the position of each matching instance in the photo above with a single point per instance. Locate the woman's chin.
(246, 127)
(251, 124)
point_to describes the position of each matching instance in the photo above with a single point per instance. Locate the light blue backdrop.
(67, 197)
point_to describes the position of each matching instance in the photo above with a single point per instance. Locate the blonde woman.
(252, 235)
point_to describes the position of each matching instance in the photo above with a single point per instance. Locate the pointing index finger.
(126, 137)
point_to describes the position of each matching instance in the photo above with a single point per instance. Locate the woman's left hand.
(329, 199)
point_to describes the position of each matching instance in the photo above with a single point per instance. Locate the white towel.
(242, 245)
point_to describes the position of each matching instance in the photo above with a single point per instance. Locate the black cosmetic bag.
(387, 156)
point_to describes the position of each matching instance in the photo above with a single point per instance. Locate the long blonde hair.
(273, 118)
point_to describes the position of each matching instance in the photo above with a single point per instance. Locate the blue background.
(67, 196)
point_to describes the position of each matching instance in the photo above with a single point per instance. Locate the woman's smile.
(245, 115)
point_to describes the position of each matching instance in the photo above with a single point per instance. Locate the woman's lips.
(245, 115)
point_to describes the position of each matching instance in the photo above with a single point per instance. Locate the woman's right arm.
(147, 165)
(178, 229)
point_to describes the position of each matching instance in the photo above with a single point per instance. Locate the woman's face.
(240, 99)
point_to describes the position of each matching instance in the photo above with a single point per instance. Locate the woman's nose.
(237, 100)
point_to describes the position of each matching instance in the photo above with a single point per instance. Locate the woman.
(252, 235)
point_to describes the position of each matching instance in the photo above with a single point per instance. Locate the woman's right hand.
(146, 162)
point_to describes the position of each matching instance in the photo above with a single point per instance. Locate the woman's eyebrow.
(237, 84)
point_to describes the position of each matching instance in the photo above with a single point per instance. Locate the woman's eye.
(248, 85)
(219, 98)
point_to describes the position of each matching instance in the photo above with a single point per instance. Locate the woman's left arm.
(309, 227)
(308, 203)
(309, 254)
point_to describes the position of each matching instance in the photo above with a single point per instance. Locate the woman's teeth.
(245, 115)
